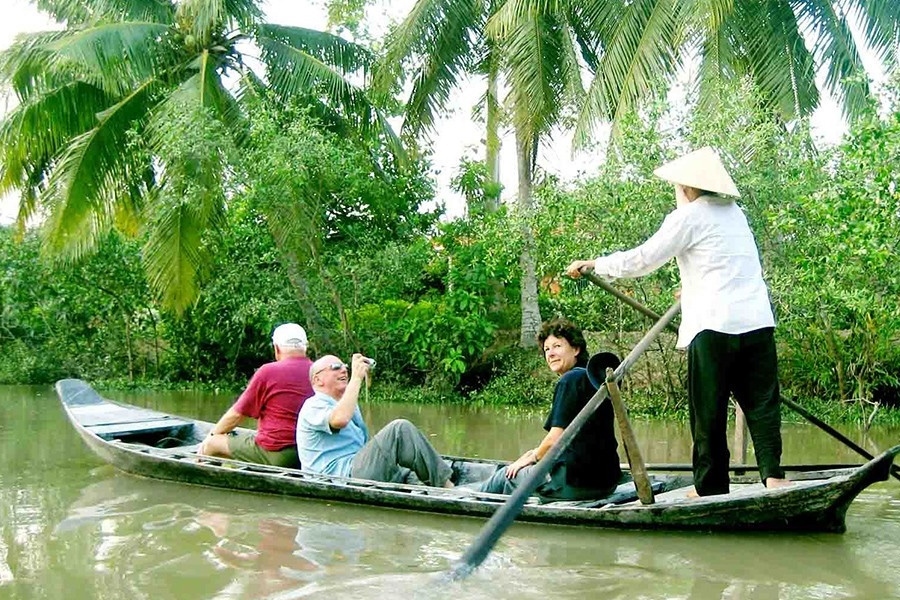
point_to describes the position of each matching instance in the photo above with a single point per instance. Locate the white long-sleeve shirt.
(722, 287)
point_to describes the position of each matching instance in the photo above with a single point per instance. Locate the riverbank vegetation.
(292, 205)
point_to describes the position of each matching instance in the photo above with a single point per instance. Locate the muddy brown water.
(73, 527)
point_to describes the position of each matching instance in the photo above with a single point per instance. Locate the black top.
(591, 460)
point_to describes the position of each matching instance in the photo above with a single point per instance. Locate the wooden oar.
(600, 282)
(685, 467)
(632, 450)
(595, 279)
(505, 515)
(895, 472)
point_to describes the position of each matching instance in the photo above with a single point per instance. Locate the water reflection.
(149, 539)
(71, 527)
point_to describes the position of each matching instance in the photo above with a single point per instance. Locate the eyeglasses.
(335, 366)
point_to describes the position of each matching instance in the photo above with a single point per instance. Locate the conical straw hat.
(701, 169)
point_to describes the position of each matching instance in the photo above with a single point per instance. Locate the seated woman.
(589, 467)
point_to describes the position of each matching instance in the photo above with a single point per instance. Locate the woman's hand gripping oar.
(596, 280)
(505, 515)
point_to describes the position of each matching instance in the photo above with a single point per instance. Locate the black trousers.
(746, 365)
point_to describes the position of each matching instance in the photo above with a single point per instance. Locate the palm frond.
(880, 24)
(114, 55)
(27, 66)
(533, 61)
(304, 63)
(443, 40)
(328, 48)
(512, 13)
(836, 49)
(773, 52)
(640, 53)
(194, 149)
(246, 14)
(441, 70)
(706, 39)
(35, 132)
(174, 253)
(202, 92)
(80, 12)
(91, 177)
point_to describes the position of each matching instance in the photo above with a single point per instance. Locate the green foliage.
(519, 377)
(825, 223)
(836, 270)
(123, 120)
(329, 204)
(90, 320)
(473, 182)
(448, 330)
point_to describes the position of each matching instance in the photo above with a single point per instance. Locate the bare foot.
(448, 484)
(775, 482)
(693, 494)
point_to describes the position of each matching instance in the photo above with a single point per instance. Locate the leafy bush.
(836, 271)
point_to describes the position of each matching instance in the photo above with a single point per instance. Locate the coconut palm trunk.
(531, 311)
(492, 145)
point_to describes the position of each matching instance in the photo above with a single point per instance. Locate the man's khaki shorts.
(243, 446)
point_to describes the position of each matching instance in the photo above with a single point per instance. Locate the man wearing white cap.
(273, 396)
(727, 323)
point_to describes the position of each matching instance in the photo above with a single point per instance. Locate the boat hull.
(119, 434)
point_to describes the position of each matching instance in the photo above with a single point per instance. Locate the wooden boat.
(162, 446)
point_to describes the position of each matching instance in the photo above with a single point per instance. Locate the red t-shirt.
(274, 397)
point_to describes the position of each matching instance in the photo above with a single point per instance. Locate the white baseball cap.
(289, 335)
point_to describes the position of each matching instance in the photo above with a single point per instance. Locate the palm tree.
(448, 40)
(780, 44)
(126, 120)
(540, 61)
(631, 47)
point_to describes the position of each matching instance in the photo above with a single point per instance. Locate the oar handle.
(507, 513)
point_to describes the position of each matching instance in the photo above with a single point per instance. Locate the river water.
(73, 527)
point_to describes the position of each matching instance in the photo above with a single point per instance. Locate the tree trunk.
(531, 312)
(315, 323)
(492, 143)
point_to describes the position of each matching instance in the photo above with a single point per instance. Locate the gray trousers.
(397, 449)
(553, 487)
(498, 483)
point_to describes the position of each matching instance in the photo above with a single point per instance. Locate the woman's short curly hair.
(564, 328)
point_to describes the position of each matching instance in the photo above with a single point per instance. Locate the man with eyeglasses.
(333, 439)
(273, 397)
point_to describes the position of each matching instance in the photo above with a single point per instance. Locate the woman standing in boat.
(589, 467)
(727, 323)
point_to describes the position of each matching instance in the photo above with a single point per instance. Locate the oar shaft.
(507, 513)
(629, 440)
(600, 282)
(895, 472)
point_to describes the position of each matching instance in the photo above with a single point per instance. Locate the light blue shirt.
(323, 449)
